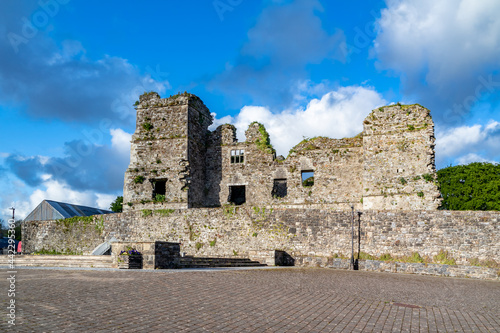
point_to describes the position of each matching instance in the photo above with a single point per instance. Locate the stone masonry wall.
(337, 165)
(399, 170)
(199, 119)
(166, 147)
(389, 166)
(301, 232)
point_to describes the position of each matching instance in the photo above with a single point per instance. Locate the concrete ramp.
(103, 248)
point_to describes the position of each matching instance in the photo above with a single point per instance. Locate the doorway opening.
(237, 194)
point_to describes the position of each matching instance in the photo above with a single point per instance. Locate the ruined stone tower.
(399, 171)
(167, 155)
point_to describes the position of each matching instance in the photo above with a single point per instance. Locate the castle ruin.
(215, 197)
(176, 162)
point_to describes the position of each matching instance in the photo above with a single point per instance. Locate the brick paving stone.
(273, 300)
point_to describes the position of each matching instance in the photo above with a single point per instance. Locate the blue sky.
(71, 70)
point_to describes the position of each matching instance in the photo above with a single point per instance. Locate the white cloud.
(447, 44)
(339, 113)
(58, 191)
(103, 201)
(466, 144)
(471, 157)
(120, 140)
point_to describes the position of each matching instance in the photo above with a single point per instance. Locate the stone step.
(204, 262)
(59, 261)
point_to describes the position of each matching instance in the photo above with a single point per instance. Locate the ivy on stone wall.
(264, 143)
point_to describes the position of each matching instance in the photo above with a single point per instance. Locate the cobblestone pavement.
(271, 300)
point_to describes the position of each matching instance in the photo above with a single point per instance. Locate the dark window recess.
(279, 188)
(308, 178)
(237, 195)
(237, 156)
(159, 187)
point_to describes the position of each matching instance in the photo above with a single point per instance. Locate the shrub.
(159, 198)
(139, 179)
(147, 126)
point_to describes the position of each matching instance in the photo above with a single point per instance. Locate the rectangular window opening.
(237, 194)
(237, 156)
(307, 178)
(279, 188)
(159, 189)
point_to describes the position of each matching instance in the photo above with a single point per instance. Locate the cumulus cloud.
(454, 146)
(58, 191)
(471, 157)
(339, 113)
(286, 38)
(60, 81)
(85, 166)
(446, 51)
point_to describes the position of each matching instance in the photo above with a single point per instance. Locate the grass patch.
(413, 258)
(147, 212)
(55, 252)
(386, 257)
(164, 212)
(444, 258)
(428, 177)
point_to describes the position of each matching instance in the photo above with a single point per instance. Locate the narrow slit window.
(237, 156)
(307, 178)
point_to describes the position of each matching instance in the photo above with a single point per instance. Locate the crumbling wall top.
(324, 143)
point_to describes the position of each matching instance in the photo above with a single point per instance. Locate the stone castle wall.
(390, 165)
(301, 232)
(167, 147)
(399, 170)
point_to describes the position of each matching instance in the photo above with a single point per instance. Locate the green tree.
(117, 205)
(475, 186)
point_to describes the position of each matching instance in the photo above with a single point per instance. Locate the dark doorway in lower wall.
(237, 194)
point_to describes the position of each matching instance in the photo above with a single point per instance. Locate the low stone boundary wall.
(155, 255)
(468, 238)
(458, 271)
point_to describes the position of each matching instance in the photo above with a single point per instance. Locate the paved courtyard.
(256, 300)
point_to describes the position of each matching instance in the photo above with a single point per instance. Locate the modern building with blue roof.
(54, 210)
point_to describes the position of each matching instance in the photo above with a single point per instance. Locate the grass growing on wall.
(54, 252)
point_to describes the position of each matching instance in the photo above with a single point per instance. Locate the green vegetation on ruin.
(264, 142)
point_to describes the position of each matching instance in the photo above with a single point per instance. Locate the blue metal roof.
(54, 210)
